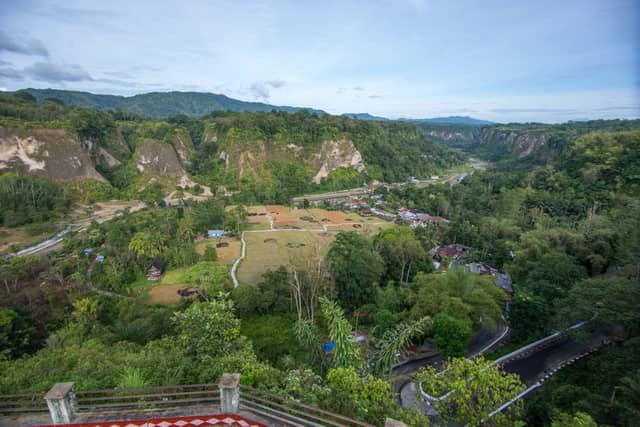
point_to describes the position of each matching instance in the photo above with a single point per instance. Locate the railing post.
(61, 400)
(229, 386)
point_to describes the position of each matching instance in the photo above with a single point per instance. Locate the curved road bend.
(535, 365)
(481, 342)
(531, 367)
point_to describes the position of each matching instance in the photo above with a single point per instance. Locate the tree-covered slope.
(158, 105)
(266, 156)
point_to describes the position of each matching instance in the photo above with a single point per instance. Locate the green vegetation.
(476, 387)
(28, 199)
(563, 220)
(156, 104)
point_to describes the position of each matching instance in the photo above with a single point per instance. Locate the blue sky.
(512, 60)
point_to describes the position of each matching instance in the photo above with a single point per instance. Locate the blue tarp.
(215, 233)
(328, 347)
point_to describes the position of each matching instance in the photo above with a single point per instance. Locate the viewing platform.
(227, 403)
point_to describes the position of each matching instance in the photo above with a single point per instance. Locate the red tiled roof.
(451, 250)
(220, 420)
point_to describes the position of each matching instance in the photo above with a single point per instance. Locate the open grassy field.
(165, 295)
(258, 218)
(270, 250)
(288, 244)
(226, 255)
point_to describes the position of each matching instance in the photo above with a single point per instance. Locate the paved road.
(45, 244)
(481, 342)
(100, 216)
(534, 366)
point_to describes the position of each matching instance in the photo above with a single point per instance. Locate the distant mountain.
(452, 120)
(160, 105)
(365, 116)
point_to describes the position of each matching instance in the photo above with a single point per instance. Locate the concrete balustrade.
(61, 401)
(229, 393)
(63, 407)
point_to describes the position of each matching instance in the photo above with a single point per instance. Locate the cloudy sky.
(505, 60)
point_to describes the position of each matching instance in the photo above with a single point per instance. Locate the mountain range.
(161, 105)
(449, 120)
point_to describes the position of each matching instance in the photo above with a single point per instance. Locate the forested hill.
(530, 141)
(160, 105)
(265, 156)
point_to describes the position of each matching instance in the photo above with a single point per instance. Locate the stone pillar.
(229, 386)
(61, 400)
(389, 422)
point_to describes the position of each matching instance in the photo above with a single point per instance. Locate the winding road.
(533, 363)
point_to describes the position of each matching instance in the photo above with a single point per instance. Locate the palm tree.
(396, 340)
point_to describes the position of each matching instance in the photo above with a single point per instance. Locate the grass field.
(270, 250)
(165, 295)
(288, 244)
(260, 221)
(226, 255)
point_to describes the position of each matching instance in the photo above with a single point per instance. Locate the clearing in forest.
(227, 249)
(298, 234)
(270, 250)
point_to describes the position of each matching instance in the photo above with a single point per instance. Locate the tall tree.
(396, 340)
(451, 335)
(346, 351)
(401, 249)
(355, 267)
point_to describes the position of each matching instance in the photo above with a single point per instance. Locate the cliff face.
(250, 155)
(334, 155)
(183, 145)
(51, 153)
(518, 143)
(157, 158)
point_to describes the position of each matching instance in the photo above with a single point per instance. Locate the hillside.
(540, 142)
(451, 120)
(265, 156)
(530, 141)
(159, 105)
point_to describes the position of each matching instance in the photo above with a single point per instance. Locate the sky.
(505, 61)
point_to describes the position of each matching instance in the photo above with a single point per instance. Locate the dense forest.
(563, 221)
(566, 227)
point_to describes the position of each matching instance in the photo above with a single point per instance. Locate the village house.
(356, 204)
(155, 269)
(452, 255)
(383, 214)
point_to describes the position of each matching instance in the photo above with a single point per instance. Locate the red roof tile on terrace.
(220, 420)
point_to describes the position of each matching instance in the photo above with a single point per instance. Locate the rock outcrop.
(517, 143)
(51, 153)
(157, 158)
(334, 155)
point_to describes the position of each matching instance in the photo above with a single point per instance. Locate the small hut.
(155, 269)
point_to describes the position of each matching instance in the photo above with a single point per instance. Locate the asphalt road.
(531, 368)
